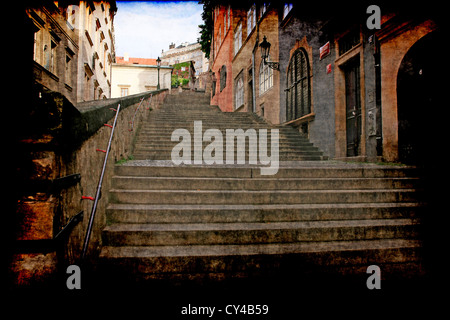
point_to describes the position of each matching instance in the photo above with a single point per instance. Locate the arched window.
(298, 88)
(223, 77)
(239, 92)
(265, 77)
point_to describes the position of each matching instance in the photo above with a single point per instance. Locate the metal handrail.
(99, 188)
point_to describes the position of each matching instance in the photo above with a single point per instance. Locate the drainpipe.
(253, 81)
(253, 68)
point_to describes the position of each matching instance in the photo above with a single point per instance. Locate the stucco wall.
(138, 78)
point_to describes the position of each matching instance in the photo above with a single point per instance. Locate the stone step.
(261, 196)
(167, 133)
(210, 124)
(323, 169)
(169, 129)
(187, 98)
(170, 126)
(201, 183)
(242, 157)
(254, 233)
(283, 157)
(283, 146)
(184, 213)
(285, 149)
(181, 222)
(178, 112)
(200, 113)
(203, 261)
(166, 139)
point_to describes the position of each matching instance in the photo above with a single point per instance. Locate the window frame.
(239, 95)
(223, 77)
(295, 105)
(251, 19)
(238, 38)
(125, 90)
(265, 77)
(287, 8)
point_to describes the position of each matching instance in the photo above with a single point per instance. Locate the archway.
(417, 96)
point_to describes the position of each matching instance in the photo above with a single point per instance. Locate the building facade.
(353, 88)
(137, 75)
(55, 50)
(221, 56)
(93, 21)
(186, 52)
(73, 48)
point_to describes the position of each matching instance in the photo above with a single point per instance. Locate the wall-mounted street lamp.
(265, 50)
(158, 63)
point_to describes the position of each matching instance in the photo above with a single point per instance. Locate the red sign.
(324, 50)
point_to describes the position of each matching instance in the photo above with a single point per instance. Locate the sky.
(144, 28)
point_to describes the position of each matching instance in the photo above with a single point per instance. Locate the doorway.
(353, 107)
(417, 95)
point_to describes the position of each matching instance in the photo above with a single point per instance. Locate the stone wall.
(58, 140)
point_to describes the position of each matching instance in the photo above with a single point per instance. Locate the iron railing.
(99, 187)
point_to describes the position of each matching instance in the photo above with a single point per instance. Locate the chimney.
(126, 57)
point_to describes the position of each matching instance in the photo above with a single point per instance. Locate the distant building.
(73, 48)
(186, 52)
(136, 75)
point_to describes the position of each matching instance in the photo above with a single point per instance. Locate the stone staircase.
(180, 111)
(227, 221)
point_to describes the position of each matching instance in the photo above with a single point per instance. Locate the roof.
(141, 61)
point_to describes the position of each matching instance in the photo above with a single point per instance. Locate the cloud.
(143, 29)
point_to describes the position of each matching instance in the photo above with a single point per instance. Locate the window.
(213, 90)
(68, 73)
(225, 23)
(229, 16)
(287, 8)
(348, 41)
(239, 92)
(223, 77)
(265, 77)
(219, 37)
(123, 92)
(238, 38)
(298, 86)
(262, 9)
(251, 19)
(71, 15)
(35, 46)
(87, 85)
(53, 58)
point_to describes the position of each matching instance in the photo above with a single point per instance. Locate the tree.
(206, 29)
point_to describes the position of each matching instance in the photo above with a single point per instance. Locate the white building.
(186, 52)
(137, 75)
(93, 22)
